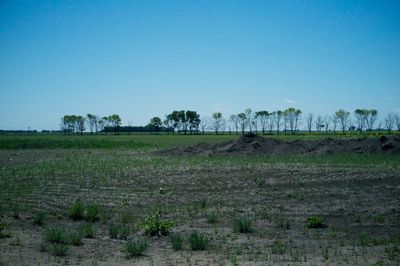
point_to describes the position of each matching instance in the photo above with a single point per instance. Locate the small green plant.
(203, 203)
(316, 222)
(76, 211)
(283, 222)
(212, 217)
(176, 241)
(57, 235)
(3, 233)
(92, 213)
(155, 226)
(118, 231)
(136, 247)
(38, 218)
(198, 241)
(379, 218)
(59, 249)
(75, 239)
(242, 224)
(87, 230)
(278, 247)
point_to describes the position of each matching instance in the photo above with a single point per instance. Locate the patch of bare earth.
(361, 207)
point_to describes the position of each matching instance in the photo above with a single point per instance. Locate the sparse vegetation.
(56, 234)
(198, 241)
(39, 218)
(77, 210)
(212, 217)
(242, 224)
(119, 231)
(136, 247)
(155, 226)
(316, 221)
(92, 213)
(87, 230)
(176, 240)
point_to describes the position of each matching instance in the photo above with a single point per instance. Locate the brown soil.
(252, 144)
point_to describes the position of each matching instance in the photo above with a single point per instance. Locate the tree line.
(288, 121)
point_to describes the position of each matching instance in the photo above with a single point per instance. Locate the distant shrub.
(155, 226)
(198, 241)
(136, 247)
(242, 224)
(176, 241)
(316, 221)
(76, 211)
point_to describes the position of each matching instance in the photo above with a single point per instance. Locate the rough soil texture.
(360, 204)
(252, 144)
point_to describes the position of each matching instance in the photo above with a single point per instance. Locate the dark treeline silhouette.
(288, 121)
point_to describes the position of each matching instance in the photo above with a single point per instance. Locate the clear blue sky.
(142, 59)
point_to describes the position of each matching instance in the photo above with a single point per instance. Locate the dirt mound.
(252, 144)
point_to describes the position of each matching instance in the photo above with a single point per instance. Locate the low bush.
(76, 211)
(155, 226)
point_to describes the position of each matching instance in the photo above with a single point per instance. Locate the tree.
(193, 119)
(175, 116)
(389, 122)
(278, 119)
(319, 123)
(343, 118)
(68, 124)
(168, 123)
(309, 121)
(262, 116)
(359, 114)
(292, 116)
(249, 116)
(80, 124)
(271, 121)
(217, 121)
(92, 122)
(155, 123)
(204, 124)
(397, 120)
(242, 121)
(327, 120)
(115, 122)
(234, 119)
(370, 118)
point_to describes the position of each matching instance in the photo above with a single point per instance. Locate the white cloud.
(221, 108)
(390, 98)
(290, 101)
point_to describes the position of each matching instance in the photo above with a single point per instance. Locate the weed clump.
(212, 218)
(278, 247)
(87, 230)
(3, 234)
(242, 224)
(155, 226)
(56, 235)
(118, 231)
(75, 239)
(38, 218)
(92, 213)
(316, 221)
(59, 249)
(198, 241)
(136, 247)
(176, 241)
(76, 211)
